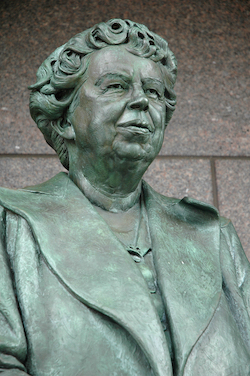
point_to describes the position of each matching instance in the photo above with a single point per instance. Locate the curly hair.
(61, 75)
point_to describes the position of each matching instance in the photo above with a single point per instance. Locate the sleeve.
(236, 277)
(13, 347)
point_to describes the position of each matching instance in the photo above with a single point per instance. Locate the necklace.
(142, 242)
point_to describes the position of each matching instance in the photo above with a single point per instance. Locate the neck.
(111, 182)
(108, 181)
(107, 201)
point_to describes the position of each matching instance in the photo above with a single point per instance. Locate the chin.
(134, 151)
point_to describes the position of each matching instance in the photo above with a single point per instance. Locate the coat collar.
(186, 239)
(63, 223)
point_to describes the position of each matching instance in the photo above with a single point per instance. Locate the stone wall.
(206, 152)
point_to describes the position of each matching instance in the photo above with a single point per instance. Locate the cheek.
(105, 110)
(158, 115)
(111, 108)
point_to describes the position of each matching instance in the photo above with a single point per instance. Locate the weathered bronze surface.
(101, 275)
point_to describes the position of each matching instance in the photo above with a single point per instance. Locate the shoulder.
(187, 209)
(18, 199)
(7, 196)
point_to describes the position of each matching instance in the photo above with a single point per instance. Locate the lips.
(137, 126)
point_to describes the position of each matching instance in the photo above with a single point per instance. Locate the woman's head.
(62, 74)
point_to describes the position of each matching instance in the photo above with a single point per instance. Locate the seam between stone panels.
(21, 156)
(204, 157)
(214, 183)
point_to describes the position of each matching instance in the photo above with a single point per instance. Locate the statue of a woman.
(99, 274)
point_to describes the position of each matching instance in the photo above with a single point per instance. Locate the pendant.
(135, 253)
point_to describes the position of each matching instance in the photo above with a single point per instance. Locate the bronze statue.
(101, 275)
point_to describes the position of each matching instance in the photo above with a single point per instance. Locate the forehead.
(116, 59)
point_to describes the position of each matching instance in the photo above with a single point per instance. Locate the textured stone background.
(206, 153)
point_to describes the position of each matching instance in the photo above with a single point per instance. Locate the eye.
(115, 86)
(152, 93)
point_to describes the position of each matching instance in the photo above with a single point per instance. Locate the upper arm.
(13, 348)
(236, 279)
(231, 243)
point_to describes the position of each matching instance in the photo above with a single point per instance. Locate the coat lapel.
(186, 252)
(89, 260)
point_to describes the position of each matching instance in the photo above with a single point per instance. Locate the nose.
(138, 101)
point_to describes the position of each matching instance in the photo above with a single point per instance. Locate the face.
(121, 110)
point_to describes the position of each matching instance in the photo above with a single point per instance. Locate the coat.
(74, 303)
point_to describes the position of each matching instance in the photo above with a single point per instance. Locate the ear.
(64, 128)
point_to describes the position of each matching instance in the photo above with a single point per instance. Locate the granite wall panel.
(20, 172)
(181, 177)
(210, 39)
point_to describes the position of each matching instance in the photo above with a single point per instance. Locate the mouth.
(137, 126)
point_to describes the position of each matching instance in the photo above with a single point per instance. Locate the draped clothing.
(74, 303)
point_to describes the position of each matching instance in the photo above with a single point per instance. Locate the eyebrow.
(154, 80)
(112, 75)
